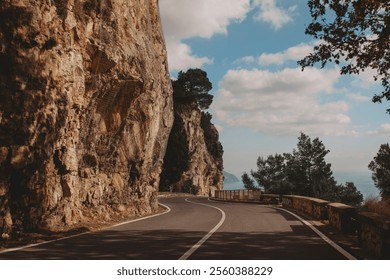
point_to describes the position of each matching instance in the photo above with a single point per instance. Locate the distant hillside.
(229, 178)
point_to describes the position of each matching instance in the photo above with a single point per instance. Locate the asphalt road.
(195, 228)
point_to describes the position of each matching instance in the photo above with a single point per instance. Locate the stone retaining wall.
(314, 207)
(342, 217)
(374, 234)
(373, 230)
(270, 199)
(238, 195)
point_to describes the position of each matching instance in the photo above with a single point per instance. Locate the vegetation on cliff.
(192, 87)
(193, 160)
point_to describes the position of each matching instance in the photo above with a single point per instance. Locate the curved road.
(195, 228)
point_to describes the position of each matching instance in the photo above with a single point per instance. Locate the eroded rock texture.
(85, 110)
(193, 161)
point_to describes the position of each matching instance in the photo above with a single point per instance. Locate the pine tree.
(307, 169)
(380, 168)
(270, 172)
(193, 86)
(249, 183)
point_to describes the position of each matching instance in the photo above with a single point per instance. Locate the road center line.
(208, 235)
(320, 234)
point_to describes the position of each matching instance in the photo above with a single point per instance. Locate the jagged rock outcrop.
(193, 161)
(85, 110)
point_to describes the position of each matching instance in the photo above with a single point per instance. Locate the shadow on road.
(267, 246)
(168, 244)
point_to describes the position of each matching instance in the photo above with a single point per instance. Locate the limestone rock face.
(85, 110)
(193, 161)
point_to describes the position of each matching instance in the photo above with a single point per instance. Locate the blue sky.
(262, 99)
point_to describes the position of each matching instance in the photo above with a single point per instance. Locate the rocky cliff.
(85, 110)
(193, 161)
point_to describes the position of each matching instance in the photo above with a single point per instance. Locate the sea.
(362, 181)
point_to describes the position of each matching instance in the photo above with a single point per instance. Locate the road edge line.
(143, 218)
(187, 254)
(84, 233)
(320, 234)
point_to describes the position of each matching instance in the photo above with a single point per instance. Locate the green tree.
(177, 155)
(249, 183)
(270, 172)
(380, 168)
(193, 86)
(262, 175)
(354, 34)
(211, 138)
(349, 194)
(307, 169)
(302, 172)
(295, 173)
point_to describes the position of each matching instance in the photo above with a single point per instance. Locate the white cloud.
(293, 53)
(183, 19)
(358, 97)
(284, 102)
(270, 13)
(201, 18)
(181, 57)
(383, 130)
(246, 60)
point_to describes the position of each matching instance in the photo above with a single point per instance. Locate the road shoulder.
(348, 242)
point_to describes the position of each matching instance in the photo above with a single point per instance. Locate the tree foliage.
(380, 167)
(248, 182)
(349, 194)
(211, 138)
(354, 34)
(177, 155)
(307, 168)
(302, 172)
(193, 86)
(270, 172)
(190, 94)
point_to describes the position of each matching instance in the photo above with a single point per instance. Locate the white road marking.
(84, 233)
(144, 218)
(208, 235)
(320, 234)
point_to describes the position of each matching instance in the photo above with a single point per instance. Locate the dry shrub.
(377, 205)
